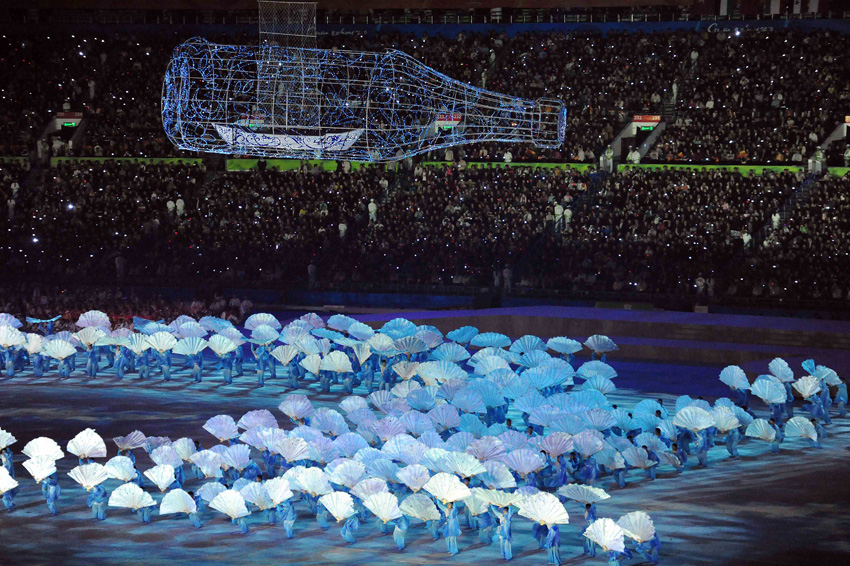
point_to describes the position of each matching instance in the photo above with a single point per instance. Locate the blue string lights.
(275, 101)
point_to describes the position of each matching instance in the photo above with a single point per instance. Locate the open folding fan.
(599, 383)
(497, 497)
(89, 475)
(43, 447)
(807, 386)
(444, 417)
(40, 467)
(34, 343)
(330, 422)
(563, 345)
(415, 477)
(526, 344)
(524, 461)
(734, 377)
(162, 341)
(383, 505)
(598, 419)
(587, 444)
(207, 461)
(261, 318)
(800, 427)
(237, 456)
(439, 372)
(6, 439)
(607, 534)
(313, 481)
(600, 344)
(7, 482)
(120, 468)
(349, 443)
(545, 509)
(651, 442)
(347, 474)
(369, 486)
(210, 490)
(323, 451)
(8, 320)
(487, 448)
(214, 324)
(725, 419)
(490, 340)
(450, 352)
(420, 506)
(463, 335)
(693, 418)
(447, 487)
(255, 493)
(497, 476)
(11, 337)
(93, 319)
(762, 430)
(231, 503)
(583, 493)
(463, 465)
(130, 496)
(296, 407)
(191, 329)
(167, 456)
(278, 489)
(135, 439)
(637, 526)
(595, 368)
(336, 362)
(223, 427)
(177, 501)
(769, 391)
(162, 476)
(191, 346)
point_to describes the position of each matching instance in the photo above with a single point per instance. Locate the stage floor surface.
(785, 509)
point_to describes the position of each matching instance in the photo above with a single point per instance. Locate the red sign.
(448, 119)
(647, 118)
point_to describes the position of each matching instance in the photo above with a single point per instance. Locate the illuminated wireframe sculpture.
(281, 101)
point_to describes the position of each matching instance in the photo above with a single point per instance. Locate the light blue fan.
(336, 362)
(399, 328)
(468, 401)
(463, 335)
(162, 341)
(8, 320)
(594, 368)
(191, 329)
(600, 344)
(491, 340)
(546, 377)
(326, 333)
(649, 407)
(262, 319)
(534, 358)
(450, 352)
(440, 372)
(264, 334)
(221, 345)
(190, 346)
(340, 322)
(490, 363)
(809, 366)
(214, 324)
(528, 343)
(360, 331)
(415, 422)
(564, 345)
(423, 399)
(409, 345)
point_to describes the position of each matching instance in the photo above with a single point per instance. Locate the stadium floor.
(785, 509)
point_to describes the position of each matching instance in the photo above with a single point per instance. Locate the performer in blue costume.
(120, 362)
(91, 361)
(553, 543)
(821, 433)
(349, 527)
(322, 516)
(841, 398)
(8, 499)
(51, 491)
(733, 437)
(484, 523)
(589, 518)
(451, 529)
(400, 530)
(780, 436)
(650, 549)
(539, 532)
(238, 356)
(588, 471)
(226, 364)
(8, 461)
(197, 363)
(97, 499)
(703, 443)
(504, 516)
(653, 457)
(286, 515)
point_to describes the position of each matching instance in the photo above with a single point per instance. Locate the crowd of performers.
(434, 438)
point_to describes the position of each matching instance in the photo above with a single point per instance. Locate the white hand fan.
(651, 442)
(527, 343)
(340, 322)
(177, 501)
(348, 474)
(599, 383)
(214, 324)
(296, 407)
(339, 504)
(513, 440)
(800, 427)
(600, 344)
(463, 465)
(447, 488)
(598, 419)
(89, 475)
(399, 328)
(58, 349)
(768, 391)
(221, 345)
(383, 469)
(162, 476)
(87, 444)
(336, 362)
(409, 345)
(557, 443)
(564, 345)
(191, 330)
(637, 525)
(8, 320)
(88, 336)
(314, 481)
(607, 534)
(138, 343)
(611, 459)
(498, 498)
(130, 442)
(383, 505)
(781, 369)
(237, 456)
(440, 371)
(261, 318)
(420, 506)
(210, 490)
(161, 341)
(498, 476)
(231, 503)
(222, 427)
(586, 443)
(11, 337)
(583, 493)
(264, 334)
(207, 461)
(131, 496)
(545, 509)
(444, 417)
(807, 386)
(491, 340)
(34, 343)
(637, 457)
(762, 430)
(190, 346)
(415, 476)
(93, 318)
(450, 352)
(360, 331)
(120, 468)
(43, 447)
(369, 486)
(6, 439)
(40, 467)
(693, 418)
(166, 456)
(405, 370)
(488, 448)
(184, 447)
(7, 482)
(256, 494)
(469, 401)
(725, 419)
(734, 377)
(349, 444)
(278, 490)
